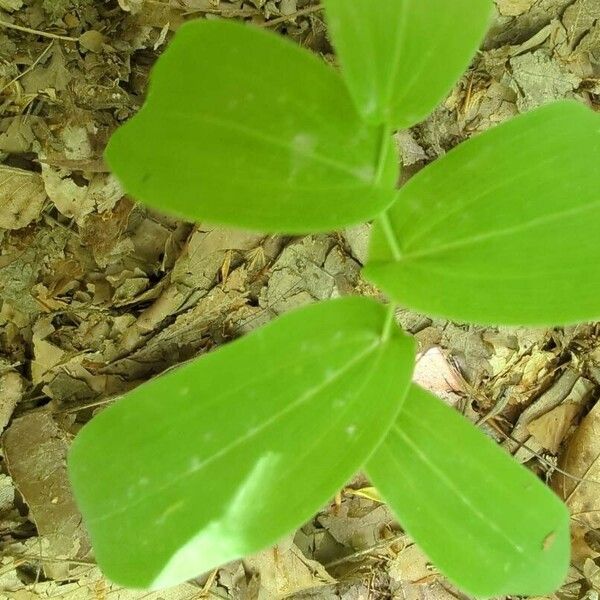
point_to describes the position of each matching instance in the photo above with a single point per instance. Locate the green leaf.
(504, 228)
(229, 453)
(244, 128)
(485, 521)
(400, 58)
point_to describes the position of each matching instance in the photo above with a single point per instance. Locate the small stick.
(53, 36)
(29, 68)
(401, 537)
(304, 11)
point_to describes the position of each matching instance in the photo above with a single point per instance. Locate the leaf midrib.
(484, 237)
(497, 532)
(269, 140)
(488, 191)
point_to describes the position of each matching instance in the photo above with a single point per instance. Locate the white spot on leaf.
(365, 173)
(304, 143)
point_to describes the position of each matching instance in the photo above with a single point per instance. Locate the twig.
(89, 405)
(383, 544)
(53, 36)
(29, 68)
(299, 13)
(546, 461)
(42, 558)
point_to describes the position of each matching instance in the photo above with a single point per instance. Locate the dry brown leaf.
(132, 6)
(70, 198)
(181, 340)
(413, 578)
(284, 570)
(358, 523)
(299, 277)
(203, 256)
(570, 387)
(550, 429)
(513, 8)
(357, 238)
(22, 197)
(410, 565)
(410, 151)
(11, 390)
(35, 448)
(86, 583)
(581, 489)
(46, 354)
(53, 77)
(538, 80)
(579, 19)
(77, 201)
(10, 5)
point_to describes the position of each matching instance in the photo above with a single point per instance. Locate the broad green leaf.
(229, 453)
(484, 520)
(400, 58)
(243, 127)
(504, 228)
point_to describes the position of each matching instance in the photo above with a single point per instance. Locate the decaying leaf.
(10, 5)
(85, 582)
(540, 79)
(35, 448)
(26, 257)
(77, 200)
(308, 270)
(22, 197)
(11, 390)
(550, 429)
(54, 76)
(414, 578)
(358, 523)
(513, 8)
(569, 388)
(46, 354)
(132, 6)
(283, 570)
(580, 487)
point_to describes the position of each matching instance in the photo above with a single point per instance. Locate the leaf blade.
(498, 230)
(400, 60)
(210, 481)
(488, 524)
(264, 138)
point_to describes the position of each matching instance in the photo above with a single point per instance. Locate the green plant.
(225, 455)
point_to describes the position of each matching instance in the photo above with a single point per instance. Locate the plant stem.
(390, 236)
(386, 132)
(390, 321)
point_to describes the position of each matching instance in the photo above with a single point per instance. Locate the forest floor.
(98, 294)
